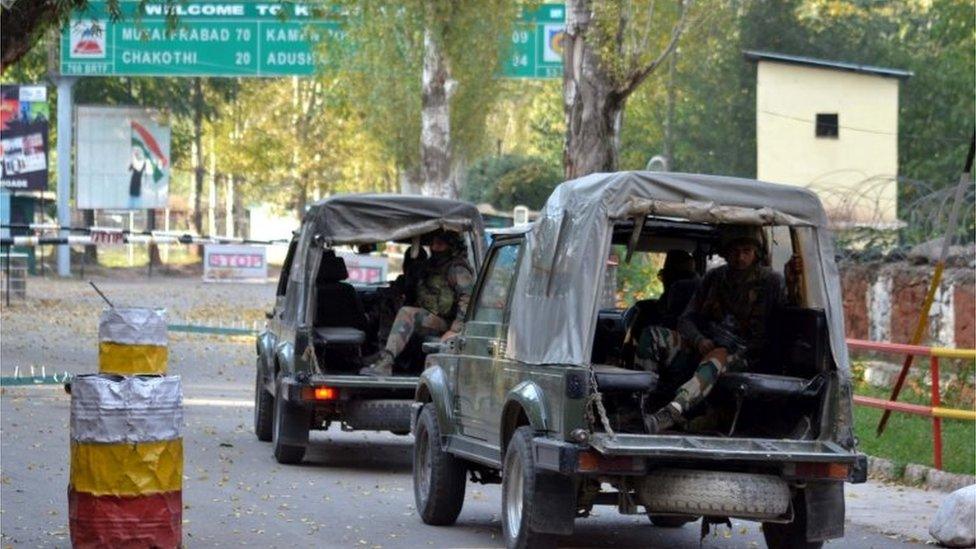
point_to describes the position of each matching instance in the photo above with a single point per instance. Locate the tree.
(610, 49)
(511, 180)
(425, 75)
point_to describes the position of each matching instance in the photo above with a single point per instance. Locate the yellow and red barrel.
(126, 461)
(132, 340)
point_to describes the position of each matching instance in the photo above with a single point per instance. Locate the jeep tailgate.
(718, 448)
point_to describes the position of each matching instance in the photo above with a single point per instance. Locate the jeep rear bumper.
(626, 454)
(359, 402)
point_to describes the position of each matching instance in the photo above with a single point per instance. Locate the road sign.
(249, 38)
(537, 43)
(211, 38)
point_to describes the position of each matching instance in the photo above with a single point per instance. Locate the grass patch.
(908, 438)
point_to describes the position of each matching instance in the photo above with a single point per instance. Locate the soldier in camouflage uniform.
(442, 296)
(725, 323)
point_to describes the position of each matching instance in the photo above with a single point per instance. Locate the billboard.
(24, 118)
(234, 262)
(122, 158)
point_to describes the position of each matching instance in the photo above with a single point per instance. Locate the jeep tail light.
(593, 462)
(320, 393)
(838, 471)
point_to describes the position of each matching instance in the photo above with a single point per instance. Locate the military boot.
(663, 419)
(381, 367)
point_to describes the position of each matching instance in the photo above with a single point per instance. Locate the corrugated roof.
(754, 55)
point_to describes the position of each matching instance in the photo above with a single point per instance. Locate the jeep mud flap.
(697, 448)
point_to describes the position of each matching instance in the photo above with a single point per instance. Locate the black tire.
(263, 408)
(438, 477)
(794, 534)
(670, 521)
(519, 481)
(286, 413)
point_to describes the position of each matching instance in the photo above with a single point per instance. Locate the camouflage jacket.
(743, 303)
(445, 289)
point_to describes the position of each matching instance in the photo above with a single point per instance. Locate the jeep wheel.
(518, 494)
(263, 407)
(794, 534)
(438, 477)
(670, 521)
(291, 418)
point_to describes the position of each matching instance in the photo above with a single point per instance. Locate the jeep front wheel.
(263, 407)
(438, 477)
(519, 493)
(290, 423)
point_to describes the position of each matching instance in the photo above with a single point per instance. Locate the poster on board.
(24, 115)
(234, 263)
(122, 158)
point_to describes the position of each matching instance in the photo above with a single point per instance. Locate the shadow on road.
(393, 455)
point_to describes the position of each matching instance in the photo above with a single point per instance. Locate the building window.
(827, 125)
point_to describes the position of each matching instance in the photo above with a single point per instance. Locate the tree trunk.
(435, 116)
(154, 259)
(591, 103)
(198, 170)
(409, 180)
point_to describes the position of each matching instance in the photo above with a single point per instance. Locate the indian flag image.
(142, 138)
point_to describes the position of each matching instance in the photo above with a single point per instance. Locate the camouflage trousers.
(412, 321)
(658, 346)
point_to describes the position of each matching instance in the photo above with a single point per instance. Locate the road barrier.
(132, 341)
(935, 409)
(126, 461)
(126, 481)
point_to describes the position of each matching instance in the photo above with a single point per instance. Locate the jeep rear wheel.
(263, 407)
(292, 419)
(519, 493)
(438, 477)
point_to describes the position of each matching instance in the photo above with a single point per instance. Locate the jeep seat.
(339, 316)
(612, 379)
(764, 386)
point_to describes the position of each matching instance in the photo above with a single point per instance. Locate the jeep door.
(485, 333)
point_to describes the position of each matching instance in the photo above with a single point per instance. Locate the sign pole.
(65, 130)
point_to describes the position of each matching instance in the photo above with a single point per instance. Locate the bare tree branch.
(637, 77)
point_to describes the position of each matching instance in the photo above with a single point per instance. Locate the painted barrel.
(132, 340)
(126, 461)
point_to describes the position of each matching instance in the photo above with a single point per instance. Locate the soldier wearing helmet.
(726, 322)
(442, 293)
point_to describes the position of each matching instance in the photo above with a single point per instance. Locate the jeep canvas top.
(542, 390)
(335, 305)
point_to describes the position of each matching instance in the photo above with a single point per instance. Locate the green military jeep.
(334, 306)
(538, 392)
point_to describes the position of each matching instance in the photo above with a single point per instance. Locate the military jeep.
(538, 392)
(333, 307)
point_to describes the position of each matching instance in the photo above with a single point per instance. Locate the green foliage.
(511, 180)
(382, 64)
(527, 185)
(637, 280)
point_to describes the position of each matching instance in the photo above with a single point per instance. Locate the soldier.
(725, 322)
(442, 295)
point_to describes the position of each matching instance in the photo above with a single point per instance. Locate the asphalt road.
(353, 490)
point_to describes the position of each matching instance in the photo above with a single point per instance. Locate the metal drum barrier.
(132, 341)
(126, 461)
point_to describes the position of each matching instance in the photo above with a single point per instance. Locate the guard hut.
(831, 127)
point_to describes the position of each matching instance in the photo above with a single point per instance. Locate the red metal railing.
(935, 410)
